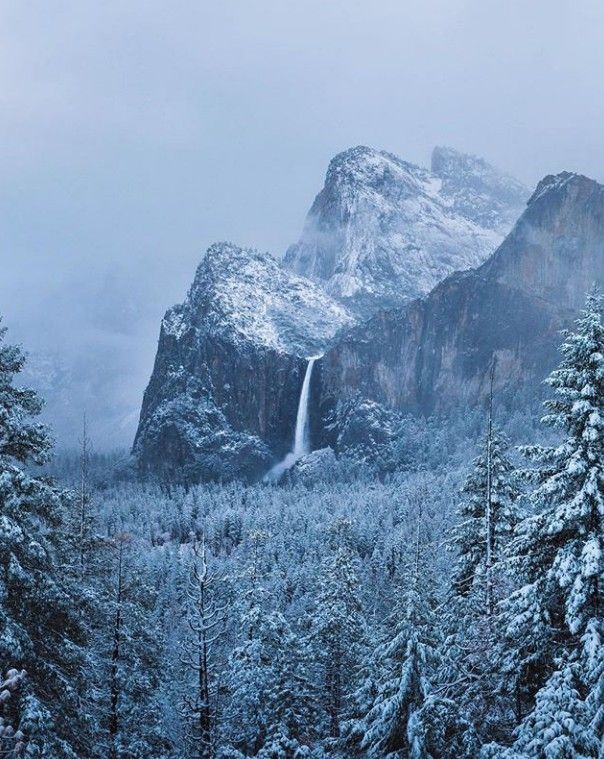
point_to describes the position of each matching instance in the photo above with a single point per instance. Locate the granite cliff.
(435, 353)
(230, 363)
(383, 231)
(223, 397)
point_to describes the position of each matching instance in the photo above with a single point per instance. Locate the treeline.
(452, 609)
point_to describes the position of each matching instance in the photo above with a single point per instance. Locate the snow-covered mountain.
(435, 353)
(230, 362)
(383, 231)
(248, 295)
(231, 359)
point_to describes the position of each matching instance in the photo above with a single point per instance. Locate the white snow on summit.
(244, 294)
(383, 231)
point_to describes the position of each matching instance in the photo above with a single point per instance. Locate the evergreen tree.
(557, 616)
(338, 628)
(42, 622)
(406, 717)
(559, 725)
(487, 516)
(129, 672)
(271, 700)
(12, 739)
(405, 661)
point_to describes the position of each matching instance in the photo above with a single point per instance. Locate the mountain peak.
(478, 190)
(369, 168)
(556, 249)
(383, 231)
(564, 180)
(445, 158)
(248, 295)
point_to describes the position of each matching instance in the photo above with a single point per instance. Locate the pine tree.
(405, 660)
(338, 628)
(557, 616)
(271, 699)
(42, 622)
(129, 670)
(488, 514)
(86, 543)
(407, 718)
(559, 725)
(12, 739)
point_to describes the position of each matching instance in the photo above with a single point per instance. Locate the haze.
(132, 135)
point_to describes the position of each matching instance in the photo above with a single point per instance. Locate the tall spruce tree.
(487, 516)
(205, 614)
(338, 627)
(406, 717)
(271, 710)
(42, 628)
(129, 646)
(555, 619)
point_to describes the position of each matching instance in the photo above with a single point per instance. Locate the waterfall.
(301, 436)
(301, 441)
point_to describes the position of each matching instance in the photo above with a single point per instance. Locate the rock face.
(231, 360)
(230, 363)
(383, 231)
(435, 353)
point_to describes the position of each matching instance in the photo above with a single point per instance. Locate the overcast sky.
(133, 133)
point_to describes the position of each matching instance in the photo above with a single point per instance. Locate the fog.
(132, 135)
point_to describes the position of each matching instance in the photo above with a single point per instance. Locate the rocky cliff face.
(383, 231)
(222, 398)
(436, 352)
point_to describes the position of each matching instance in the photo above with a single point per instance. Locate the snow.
(383, 230)
(249, 295)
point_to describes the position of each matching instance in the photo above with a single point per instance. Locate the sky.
(134, 133)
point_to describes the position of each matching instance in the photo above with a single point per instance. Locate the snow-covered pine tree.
(42, 622)
(407, 719)
(338, 626)
(129, 649)
(86, 543)
(487, 517)
(559, 725)
(557, 614)
(271, 709)
(12, 739)
(405, 661)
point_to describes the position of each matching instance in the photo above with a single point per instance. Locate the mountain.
(478, 191)
(435, 353)
(383, 231)
(222, 399)
(230, 362)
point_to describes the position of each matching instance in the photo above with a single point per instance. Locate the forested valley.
(449, 605)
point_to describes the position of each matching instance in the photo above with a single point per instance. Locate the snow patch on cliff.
(248, 295)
